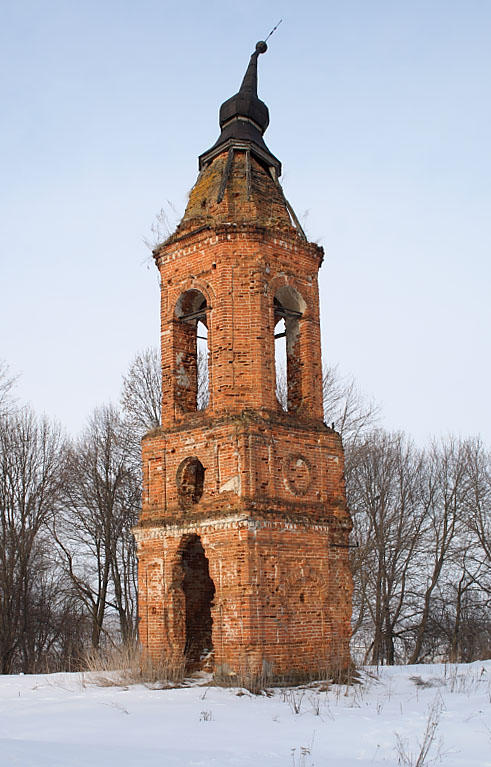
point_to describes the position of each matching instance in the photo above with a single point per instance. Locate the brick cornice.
(206, 234)
(163, 527)
(246, 421)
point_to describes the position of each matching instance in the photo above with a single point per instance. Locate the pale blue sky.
(381, 115)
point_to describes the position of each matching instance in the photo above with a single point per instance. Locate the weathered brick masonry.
(243, 535)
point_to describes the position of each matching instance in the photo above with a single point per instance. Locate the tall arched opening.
(199, 591)
(191, 344)
(289, 308)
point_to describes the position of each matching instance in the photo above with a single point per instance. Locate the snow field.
(65, 720)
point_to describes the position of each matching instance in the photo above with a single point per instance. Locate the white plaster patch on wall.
(233, 485)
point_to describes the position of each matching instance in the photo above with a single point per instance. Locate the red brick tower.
(243, 535)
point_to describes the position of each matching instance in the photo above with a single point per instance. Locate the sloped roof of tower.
(238, 180)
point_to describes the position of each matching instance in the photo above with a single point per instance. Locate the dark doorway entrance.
(199, 591)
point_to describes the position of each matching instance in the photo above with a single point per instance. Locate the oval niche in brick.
(297, 474)
(190, 479)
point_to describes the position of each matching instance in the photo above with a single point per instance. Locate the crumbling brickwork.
(243, 535)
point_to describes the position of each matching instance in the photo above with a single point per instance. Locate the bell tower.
(243, 535)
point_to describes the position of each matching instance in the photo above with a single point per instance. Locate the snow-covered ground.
(65, 720)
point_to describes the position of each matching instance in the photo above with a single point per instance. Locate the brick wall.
(243, 535)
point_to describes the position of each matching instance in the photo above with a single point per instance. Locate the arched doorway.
(199, 591)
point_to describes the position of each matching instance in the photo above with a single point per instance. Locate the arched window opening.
(280, 363)
(190, 479)
(199, 591)
(191, 331)
(289, 307)
(203, 394)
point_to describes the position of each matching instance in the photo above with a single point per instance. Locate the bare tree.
(203, 393)
(30, 488)
(463, 595)
(478, 506)
(422, 578)
(7, 382)
(382, 486)
(444, 492)
(102, 494)
(141, 397)
(345, 406)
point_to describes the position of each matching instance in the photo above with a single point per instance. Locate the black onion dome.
(244, 119)
(246, 103)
